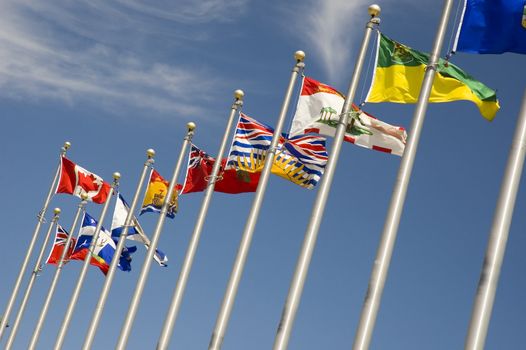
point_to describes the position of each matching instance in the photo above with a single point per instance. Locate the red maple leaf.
(88, 182)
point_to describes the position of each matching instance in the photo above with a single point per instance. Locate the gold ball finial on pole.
(299, 56)
(239, 94)
(374, 10)
(150, 152)
(84, 196)
(56, 211)
(67, 145)
(116, 176)
(190, 126)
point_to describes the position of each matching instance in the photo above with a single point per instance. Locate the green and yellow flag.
(400, 71)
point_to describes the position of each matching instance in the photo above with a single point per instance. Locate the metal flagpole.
(223, 317)
(60, 265)
(34, 274)
(134, 304)
(90, 335)
(74, 297)
(173, 311)
(385, 249)
(40, 216)
(489, 277)
(302, 266)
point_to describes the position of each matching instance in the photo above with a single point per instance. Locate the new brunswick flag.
(155, 194)
(400, 71)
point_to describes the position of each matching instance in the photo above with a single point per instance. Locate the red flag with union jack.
(58, 246)
(230, 181)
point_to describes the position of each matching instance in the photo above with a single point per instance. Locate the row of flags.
(301, 155)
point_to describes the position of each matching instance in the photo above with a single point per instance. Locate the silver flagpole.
(223, 317)
(302, 266)
(90, 335)
(173, 311)
(76, 292)
(34, 274)
(40, 216)
(60, 265)
(385, 249)
(489, 277)
(134, 304)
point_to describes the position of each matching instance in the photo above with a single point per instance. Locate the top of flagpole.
(150, 152)
(191, 127)
(374, 10)
(239, 94)
(299, 56)
(116, 176)
(65, 148)
(56, 211)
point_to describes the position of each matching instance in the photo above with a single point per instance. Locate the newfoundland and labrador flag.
(103, 250)
(492, 26)
(400, 71)
(230, 180)
(318, 111)
(58, 247)
(76, 180)
(155, 194)
(135, 231)
(300, 159)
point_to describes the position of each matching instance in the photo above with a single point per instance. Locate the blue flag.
(492, 26)
(135, 231)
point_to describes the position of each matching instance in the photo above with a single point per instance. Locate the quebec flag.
(492, 27)
(135, 231)
(104, 248)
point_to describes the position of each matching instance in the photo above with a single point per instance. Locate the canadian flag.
(76, 180)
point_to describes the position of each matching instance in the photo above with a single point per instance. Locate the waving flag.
(492, 26)
(400, 71)
(103, 250)
(229, 180)
(135, 231)
(318, 111)
(76, 180)
(155, 194)
(58, 246)
(252, 140)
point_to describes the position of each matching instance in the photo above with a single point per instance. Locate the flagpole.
(90, 335)
(302, 266)
(40, 216)
(380, 268)
(489, 276)
(177, 298)
(60, 265)
(223, 316)
(134, 304)
(34, 274)
(74, 297)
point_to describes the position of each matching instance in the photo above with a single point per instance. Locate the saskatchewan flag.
(400, 71)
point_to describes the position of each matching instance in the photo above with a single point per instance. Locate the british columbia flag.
(300, 159)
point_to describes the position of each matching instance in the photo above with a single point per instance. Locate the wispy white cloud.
(94, 51)
(332, 29)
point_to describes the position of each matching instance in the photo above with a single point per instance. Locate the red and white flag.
(76, 180)
(318, 111)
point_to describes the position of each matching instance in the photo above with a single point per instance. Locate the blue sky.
(116, 78)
